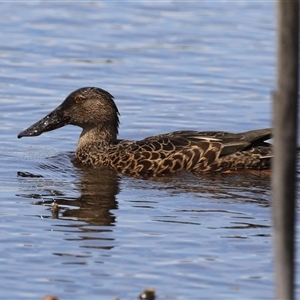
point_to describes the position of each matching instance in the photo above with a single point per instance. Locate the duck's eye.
(79, 98)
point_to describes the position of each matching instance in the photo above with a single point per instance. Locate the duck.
(198, 152)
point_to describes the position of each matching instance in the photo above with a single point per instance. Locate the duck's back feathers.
(192, 151)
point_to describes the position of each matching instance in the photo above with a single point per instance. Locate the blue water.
(171, 65)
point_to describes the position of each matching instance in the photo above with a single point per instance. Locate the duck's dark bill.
(52, 121)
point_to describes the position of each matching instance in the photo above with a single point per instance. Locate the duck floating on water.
(94, 110)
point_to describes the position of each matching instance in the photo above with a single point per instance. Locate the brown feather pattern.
(174, 152)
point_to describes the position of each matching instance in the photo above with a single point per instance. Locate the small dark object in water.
(50, 297)
(147, 294)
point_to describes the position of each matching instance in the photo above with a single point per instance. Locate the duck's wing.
(181, 150)
(229, 142)
(164, 154)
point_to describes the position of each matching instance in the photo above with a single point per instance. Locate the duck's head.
(87, 107)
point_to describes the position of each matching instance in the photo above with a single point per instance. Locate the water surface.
(170, 65)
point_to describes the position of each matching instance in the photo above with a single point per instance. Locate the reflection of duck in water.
(94, 110)
(96, 202)
(89, 201)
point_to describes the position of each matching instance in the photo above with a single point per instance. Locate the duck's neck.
(95, 137)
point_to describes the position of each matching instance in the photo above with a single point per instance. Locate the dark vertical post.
(285, 147)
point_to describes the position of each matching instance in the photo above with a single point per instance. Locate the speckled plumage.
(94, 110)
